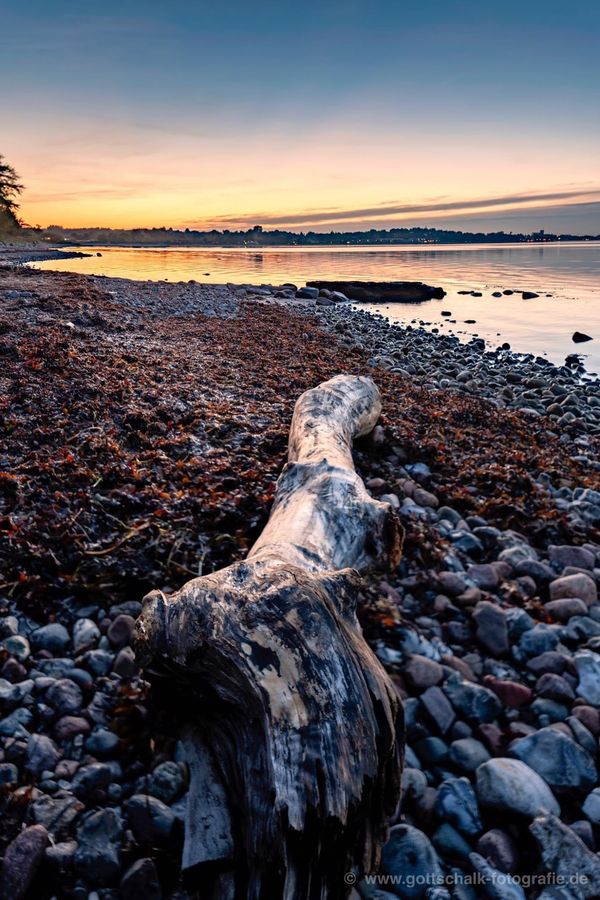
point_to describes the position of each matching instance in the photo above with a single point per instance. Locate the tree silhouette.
(10, 188)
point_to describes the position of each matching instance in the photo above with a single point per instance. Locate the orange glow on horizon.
(135, 180)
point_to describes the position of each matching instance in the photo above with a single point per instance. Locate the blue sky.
(198, 113)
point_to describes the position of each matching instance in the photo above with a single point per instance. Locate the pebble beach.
(144, 425)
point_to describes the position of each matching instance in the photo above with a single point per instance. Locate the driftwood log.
(293, 729)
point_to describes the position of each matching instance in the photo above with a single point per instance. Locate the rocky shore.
(23, 252)
(143, 428)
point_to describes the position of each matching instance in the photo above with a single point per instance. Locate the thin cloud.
(386, 210)
(102, 193)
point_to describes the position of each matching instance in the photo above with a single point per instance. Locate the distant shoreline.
(259, 237)
(66, 250)
(19, 254)
(423, 245)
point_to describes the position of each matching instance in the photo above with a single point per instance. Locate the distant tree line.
(258, 237)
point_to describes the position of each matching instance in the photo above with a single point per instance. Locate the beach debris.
(303, 689)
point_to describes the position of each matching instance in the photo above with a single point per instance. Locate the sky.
(315, 115)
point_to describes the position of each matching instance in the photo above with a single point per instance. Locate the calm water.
(569, 272)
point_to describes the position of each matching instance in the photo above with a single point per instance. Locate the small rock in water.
(579, 337)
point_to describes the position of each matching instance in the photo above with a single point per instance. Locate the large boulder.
(382, 291)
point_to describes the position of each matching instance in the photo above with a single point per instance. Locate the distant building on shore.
(542, 236)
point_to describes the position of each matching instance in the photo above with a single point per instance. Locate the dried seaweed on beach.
(139, 448)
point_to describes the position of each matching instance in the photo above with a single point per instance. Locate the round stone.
(409, 856)
(511, 785)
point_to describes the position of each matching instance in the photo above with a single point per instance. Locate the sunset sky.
(325, 114)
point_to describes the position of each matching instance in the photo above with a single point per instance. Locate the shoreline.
(147, 424)
(495, 330)
(33, 253)
(19, 254)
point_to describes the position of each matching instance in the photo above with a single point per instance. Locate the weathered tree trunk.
(292, 727)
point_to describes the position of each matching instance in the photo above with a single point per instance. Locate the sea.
(566, 277)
